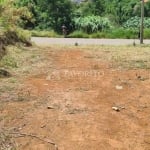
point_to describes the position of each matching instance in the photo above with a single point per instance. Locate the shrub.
(90, 24)
(134, 23)
(147, 23)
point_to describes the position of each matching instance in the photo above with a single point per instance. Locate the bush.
(91, 24)
(134, 23)
(24, 36)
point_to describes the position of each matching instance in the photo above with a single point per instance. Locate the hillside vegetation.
(103, 18)
(86, 17)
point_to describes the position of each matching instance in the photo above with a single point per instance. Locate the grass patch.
(8, 62)
(78, 34)
(38, 33)
(128, 57)
(147, 33)
(10, 59)
(115, 33)
(6, 141)
(122, 33)
(131, 57)
(111, 34)
(99, 35)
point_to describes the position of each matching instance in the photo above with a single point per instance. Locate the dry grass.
(128, 57)
(23, 62)
(6, 141)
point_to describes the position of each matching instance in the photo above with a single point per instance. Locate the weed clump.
(6, 141)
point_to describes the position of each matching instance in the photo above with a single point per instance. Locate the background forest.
(83, 18)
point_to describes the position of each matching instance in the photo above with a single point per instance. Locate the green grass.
(122, 33)
(111, 34)
(78, 34)
(10, 59)
(115, 33)
(147, 33)
(38, 33)
(8, 62)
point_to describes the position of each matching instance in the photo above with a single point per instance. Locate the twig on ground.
(37, 137)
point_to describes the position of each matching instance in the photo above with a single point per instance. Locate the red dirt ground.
(72, 100)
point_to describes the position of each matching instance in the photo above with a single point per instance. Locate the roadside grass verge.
(113, 34)
(39, 33)
(132, 58)
(127, 57)
(116, 33)
(119, 33)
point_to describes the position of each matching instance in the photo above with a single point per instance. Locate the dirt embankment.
(10, 38)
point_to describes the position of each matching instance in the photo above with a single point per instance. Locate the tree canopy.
(52, 14)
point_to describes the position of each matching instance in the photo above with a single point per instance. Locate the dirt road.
(71, 41)
(61, 98)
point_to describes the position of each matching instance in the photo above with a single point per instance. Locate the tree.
(121, 10)
(91, 7)
(98, 7)
(49, 14)
(59, 12)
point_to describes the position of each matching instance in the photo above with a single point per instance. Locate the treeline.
(88, 16)
(52, 14)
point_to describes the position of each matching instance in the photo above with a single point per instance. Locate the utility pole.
(142, 22)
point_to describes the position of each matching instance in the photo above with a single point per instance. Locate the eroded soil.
(66, 95)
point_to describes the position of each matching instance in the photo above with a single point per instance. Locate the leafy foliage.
(90, 24)
(113, 34)
(89, 16)
(10, 16)
(134, 23)
(49, 14)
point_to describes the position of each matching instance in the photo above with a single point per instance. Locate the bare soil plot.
(62, 97)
